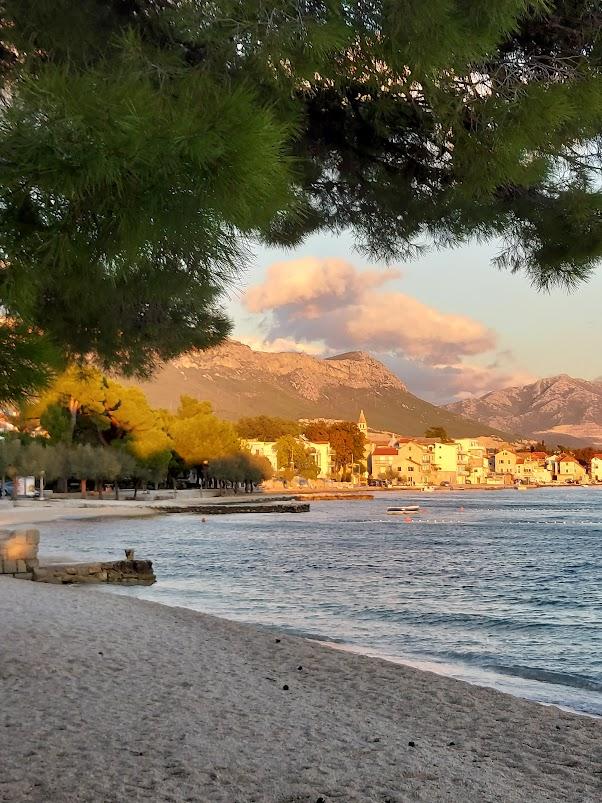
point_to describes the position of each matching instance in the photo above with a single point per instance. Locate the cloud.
(325, 306)
(330, 301)
(283, 344)
(309, 286)
(441, 384)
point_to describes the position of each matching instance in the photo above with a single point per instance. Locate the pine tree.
(146, 143)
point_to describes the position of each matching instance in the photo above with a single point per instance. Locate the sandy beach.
(105, 698)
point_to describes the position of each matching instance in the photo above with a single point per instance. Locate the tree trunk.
(84, 488)
(73, 408)
(116, 490)
(100, 487)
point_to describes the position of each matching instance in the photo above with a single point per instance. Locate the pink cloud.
(331, 301)
(313, 285)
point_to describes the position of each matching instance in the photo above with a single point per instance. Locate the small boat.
(401, 511)
(429, 489)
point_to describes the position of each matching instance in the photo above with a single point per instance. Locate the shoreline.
(113, 698)
(52, 510)
(513, 685)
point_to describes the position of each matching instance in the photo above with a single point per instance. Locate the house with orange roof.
(407, 464)
(538, 457)
(531, 468)
(567, 469)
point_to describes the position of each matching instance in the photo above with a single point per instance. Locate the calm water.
(499, 588)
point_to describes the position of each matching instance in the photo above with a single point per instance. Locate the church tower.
(362, 424)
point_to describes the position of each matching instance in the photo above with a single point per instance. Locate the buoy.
(461, 510)
(408, 520)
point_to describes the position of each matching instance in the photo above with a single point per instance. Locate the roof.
(597, 456)
(384, 450)
(533, 455)
(567, 458)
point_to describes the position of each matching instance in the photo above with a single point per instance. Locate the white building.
(596, 468)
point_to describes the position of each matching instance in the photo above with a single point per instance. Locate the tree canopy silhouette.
(146, 143)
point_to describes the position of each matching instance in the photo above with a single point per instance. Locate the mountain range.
(559, 409)
(239, 381)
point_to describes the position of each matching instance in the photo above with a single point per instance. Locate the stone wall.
(19, 558)
(19, 552)
(129, 572)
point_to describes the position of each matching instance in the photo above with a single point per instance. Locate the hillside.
(241, 382)
(559, 409)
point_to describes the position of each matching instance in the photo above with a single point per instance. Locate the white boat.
(429, 489)
(401, 511)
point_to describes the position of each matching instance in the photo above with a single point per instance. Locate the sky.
(449, 324)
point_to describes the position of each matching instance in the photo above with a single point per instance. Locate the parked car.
(7, 488)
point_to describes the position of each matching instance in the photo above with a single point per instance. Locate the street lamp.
(204, 467)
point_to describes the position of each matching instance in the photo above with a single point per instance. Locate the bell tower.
(362, 424)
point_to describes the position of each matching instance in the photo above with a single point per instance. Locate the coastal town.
(118, 442)
(394, 460)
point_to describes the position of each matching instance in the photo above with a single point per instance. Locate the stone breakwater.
(19, 558)
(230, 507)
(126, 572)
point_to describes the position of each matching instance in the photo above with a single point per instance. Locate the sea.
(497, 588)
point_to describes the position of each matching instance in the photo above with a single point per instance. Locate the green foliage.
(198, 435)
(27, 361)
(317, 431)
(146, 142)
(241, 467)
(348, 443)
(10, 449)
(294, 458)
(56, 421)
(439, 433)
(265, 428)
(131, 186)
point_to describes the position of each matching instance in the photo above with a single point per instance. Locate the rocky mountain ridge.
(557, 409)
(240, 381)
